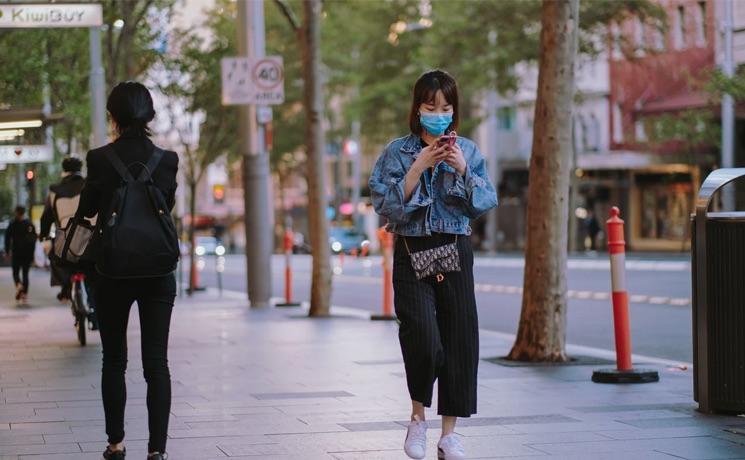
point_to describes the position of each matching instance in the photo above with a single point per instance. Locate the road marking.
(502, 289)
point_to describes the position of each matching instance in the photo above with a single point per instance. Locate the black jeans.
(20, 272)
(154, 297)
(439, 331)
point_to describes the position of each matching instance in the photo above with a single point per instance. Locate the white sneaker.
(449, 448)
(415, 445)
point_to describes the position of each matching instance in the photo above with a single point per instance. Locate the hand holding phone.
(448, 139)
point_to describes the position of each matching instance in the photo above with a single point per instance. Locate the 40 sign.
(258, 81)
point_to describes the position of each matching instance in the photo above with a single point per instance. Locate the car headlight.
(199, 250)
(220, 250)
(336, 246)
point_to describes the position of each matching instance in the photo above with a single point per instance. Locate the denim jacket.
(443, 201)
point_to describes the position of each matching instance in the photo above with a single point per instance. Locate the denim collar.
(412, 144)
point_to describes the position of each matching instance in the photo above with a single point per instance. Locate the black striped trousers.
(439, 331)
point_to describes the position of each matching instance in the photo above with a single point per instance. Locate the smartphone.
(448, 138)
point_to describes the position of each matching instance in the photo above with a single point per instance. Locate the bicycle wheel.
(80, 327)
(80, 309)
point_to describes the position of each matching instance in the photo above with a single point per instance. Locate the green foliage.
(129, 51)
(716, 84)
(191, 86)
(691, 130)
(61, 58)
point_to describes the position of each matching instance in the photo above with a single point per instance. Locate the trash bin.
(718, 270)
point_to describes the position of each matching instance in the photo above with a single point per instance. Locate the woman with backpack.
(429, 185)
(131, 187)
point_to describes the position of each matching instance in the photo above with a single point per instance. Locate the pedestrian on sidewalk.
(20, 242)
(112, 170)
(429, 187)
(59, 207)
(592, 227)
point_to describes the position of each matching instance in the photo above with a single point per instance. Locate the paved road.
(660, 289)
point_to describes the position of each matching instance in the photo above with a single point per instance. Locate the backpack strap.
(117, 163)
(152, 163)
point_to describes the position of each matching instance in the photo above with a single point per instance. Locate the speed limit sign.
(257, 81)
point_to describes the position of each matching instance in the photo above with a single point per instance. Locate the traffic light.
(218, 193)
(29, 178)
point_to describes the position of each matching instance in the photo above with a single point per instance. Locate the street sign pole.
(258, 217)
(728, 107)
(356, 179)
(97, 86)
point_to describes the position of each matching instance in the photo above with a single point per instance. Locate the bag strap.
(147, 172)
(408, 251)
(118, 164)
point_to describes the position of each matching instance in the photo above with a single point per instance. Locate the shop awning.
(22, 114)
(683, 101)
(632, 160)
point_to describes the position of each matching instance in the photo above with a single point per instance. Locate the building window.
(659, 38)
(701, 24)
(580, 134)
(593, 133)
(616, 37)
(640, 131)
(639, 42)
(679, 36)
(617, 124)
(505, 118)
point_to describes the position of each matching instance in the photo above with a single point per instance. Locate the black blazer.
(103, 180)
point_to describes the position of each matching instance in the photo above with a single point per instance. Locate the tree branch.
(287, 11)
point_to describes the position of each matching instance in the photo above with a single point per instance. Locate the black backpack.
(139, 238)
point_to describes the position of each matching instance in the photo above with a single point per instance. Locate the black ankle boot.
(157, 456)
(114, 455)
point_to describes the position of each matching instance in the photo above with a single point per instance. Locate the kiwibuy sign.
(50, 15)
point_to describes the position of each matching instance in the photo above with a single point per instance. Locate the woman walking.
(110, 169)
(429, 186)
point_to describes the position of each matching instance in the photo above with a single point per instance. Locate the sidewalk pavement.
(272, 384)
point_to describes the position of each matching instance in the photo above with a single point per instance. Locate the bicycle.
(82, 311)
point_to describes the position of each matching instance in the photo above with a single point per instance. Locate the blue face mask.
(436, 123)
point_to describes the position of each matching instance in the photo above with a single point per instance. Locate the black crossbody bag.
(436, 261)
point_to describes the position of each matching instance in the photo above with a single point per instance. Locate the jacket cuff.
(464, 185)
(417, 199)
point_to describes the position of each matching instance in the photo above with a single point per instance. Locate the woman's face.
(438, 105)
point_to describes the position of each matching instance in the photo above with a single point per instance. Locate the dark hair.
(20, 210)
(131, 107)
(425, 89)
(72, 165)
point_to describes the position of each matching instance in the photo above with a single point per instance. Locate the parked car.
(347, 240)
(208, 246)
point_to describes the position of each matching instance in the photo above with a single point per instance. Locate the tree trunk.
(542, 330)
(192, 238)
(320, 295)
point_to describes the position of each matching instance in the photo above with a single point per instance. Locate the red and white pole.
(617, 250)
(386, 242)
(624, 372)
(289, 240)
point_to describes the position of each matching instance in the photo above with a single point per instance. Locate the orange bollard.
(288, 243)
(386, 242)
(353, 252)
(194, 274)
(624, 372)
(194, 277)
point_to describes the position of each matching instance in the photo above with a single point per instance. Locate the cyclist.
(60, 206)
